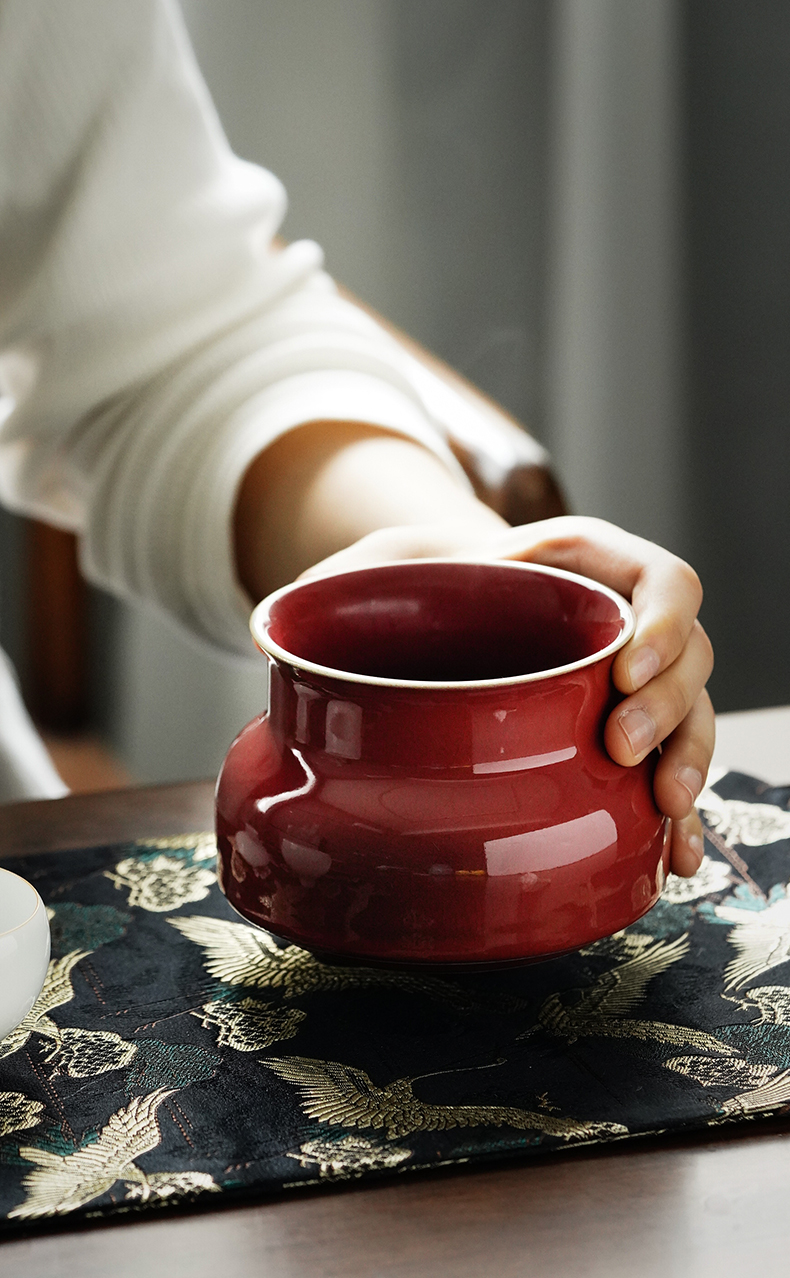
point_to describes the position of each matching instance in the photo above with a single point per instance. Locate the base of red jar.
(434, 967)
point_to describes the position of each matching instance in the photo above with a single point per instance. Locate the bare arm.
(323, 487)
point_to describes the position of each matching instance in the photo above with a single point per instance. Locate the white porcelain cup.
(24, 949)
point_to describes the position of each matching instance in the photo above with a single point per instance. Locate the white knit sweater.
(152, 341)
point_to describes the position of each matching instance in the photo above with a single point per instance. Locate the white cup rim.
(261, 613)
(37, 903)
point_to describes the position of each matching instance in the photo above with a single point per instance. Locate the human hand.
(663, 668)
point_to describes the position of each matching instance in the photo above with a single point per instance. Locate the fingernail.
(643, 667)
(639, 730)
(691, 780)
(696, 847)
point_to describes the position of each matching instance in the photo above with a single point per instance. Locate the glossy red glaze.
(427, 786)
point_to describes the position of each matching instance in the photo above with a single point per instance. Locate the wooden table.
(755, 741)
(676, 1210)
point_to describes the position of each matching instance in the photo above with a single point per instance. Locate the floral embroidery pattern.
(249, 1026)
(351, 1156)
(18, 1112)
(750, 824)
(712, 876)
(162, 884)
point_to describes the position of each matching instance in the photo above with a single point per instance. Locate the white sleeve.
(151, 340)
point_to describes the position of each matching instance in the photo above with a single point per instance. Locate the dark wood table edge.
(112, 816)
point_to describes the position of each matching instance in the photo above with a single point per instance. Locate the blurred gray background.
(583, 205)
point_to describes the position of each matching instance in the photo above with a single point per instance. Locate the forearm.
(509, 470)
(323, 486)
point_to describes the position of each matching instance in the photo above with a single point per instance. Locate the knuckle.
(677, 638)
(392, 537)
(677, 701)
(681, 703)
(572, 531)
(706, 706)
(691, 581)
(691, 824)
(705, 646)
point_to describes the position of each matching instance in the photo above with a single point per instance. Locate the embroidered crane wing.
(335, 1093)
(57, 988)
(775, 1092)
(241, 955)
(56, 991)
(346, 1096)
(60, 1183)
(762, 941)
(234, 953)
(616, 992)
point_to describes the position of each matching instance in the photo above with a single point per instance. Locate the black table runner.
(177, 1054)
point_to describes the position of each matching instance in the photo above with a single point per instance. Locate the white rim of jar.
(262, 612)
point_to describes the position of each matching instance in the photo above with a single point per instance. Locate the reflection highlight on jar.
(526, 762)
(268, 802)
(556, 845)
(308, 863)
(344, 729)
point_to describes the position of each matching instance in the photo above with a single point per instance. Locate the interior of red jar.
(444, 622)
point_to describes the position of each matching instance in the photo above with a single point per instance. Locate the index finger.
(666, 599)
(665, 592)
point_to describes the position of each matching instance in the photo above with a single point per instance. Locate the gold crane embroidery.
(241, 955)
(600, 1009)
(763, 1087)
(75, 1052)
(56, 991)
(757, 1079)
(771, 1095)
(344, 1096)
(59, 1183)
(18, 1112)
(721, 1071)
(249, 1025)
(761, 937)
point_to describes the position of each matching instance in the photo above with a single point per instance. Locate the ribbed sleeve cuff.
(161, 515)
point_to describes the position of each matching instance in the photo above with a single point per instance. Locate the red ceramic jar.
(430, 783)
